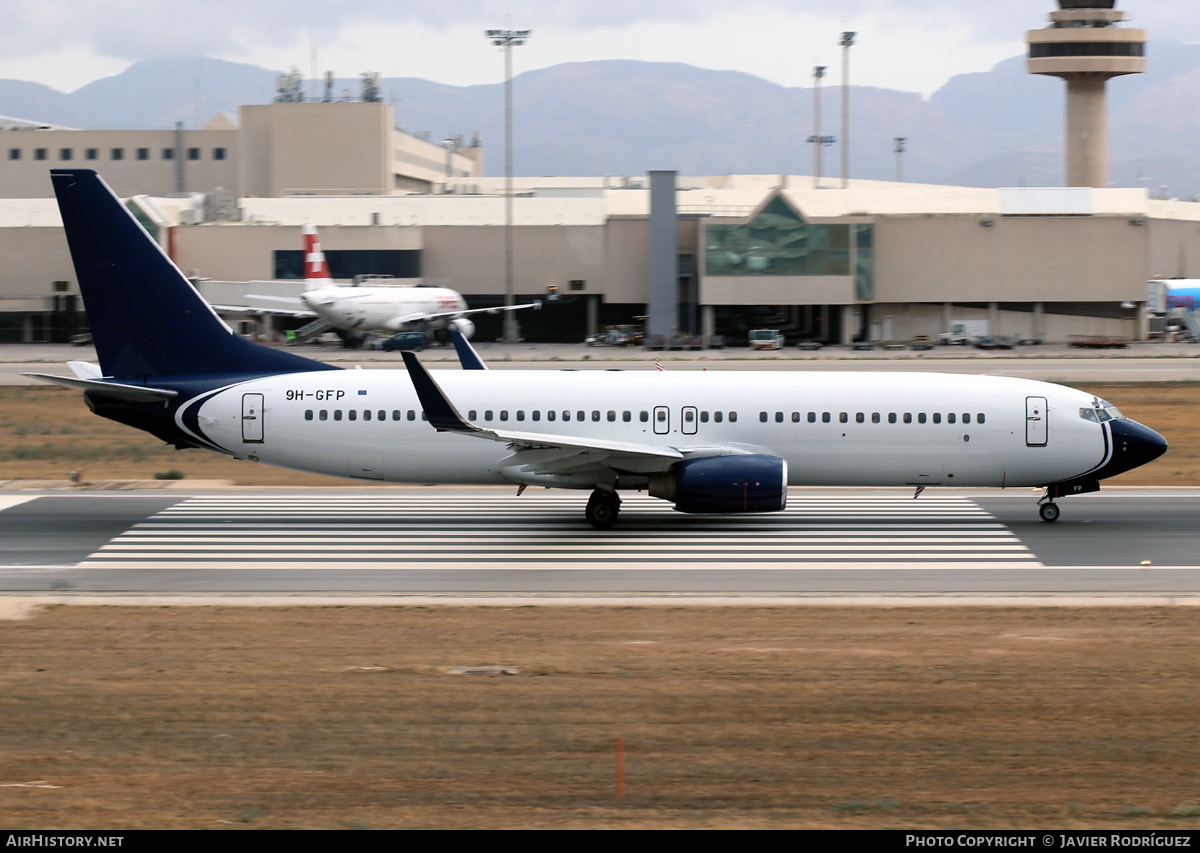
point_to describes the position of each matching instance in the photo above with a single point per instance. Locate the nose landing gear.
(1048, 510)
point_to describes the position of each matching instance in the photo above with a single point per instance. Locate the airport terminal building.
(871, 261)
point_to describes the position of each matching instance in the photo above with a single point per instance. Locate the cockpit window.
(1100, 411)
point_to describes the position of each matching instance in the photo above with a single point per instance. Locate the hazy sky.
(914, 45)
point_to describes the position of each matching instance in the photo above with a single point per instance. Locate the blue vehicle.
(402, 341)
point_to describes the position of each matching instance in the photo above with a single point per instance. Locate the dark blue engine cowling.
(752, 483)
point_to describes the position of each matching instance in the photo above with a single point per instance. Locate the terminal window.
(168, 153)
(218, 153)
(91, 154)
(118, 154)
(143, 153)
(193, 154)
(14, 154)
(777, 242)
(39, 154)
(65, 154)
(348, 263)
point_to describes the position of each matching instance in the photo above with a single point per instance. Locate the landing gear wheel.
(1049, 512)
(602, 509)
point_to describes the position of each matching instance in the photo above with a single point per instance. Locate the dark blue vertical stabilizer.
(146, 318)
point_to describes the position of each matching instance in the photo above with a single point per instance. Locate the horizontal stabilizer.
(133, 393)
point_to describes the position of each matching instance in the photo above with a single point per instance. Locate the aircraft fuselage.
(844, 429)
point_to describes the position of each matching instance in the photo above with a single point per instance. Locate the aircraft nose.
(1133, 446)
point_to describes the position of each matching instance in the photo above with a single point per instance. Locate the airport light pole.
(818, 73)
(899, 150)
(847, 42)
(506, 39)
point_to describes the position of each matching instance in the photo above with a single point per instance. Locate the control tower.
(1084, 46)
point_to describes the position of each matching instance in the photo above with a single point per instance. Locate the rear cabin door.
(252, 418)
(1036, 422)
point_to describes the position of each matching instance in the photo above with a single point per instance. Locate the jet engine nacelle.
(725, 484)
(465, 326)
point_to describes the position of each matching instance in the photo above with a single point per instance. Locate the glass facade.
(778, 242)
(864, 262)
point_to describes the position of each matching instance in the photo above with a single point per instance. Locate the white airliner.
(391, 308)
(709, 442)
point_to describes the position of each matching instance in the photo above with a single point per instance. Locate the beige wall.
(316, 147)
(34, 258)
(777, 290)
(1018, 259)
(627, 260)
(28, 177)
(471, 259)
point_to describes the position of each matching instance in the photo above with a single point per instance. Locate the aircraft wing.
(420, 316)
(289, 306)
(446, 418)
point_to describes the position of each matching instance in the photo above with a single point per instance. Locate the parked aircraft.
(707, 441)
(380, 308)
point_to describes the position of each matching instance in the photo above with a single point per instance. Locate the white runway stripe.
(548, 533)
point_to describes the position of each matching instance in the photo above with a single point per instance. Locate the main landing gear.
(602, 509)
(1047, 508)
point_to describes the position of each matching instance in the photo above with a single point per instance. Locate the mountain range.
(1002, 127)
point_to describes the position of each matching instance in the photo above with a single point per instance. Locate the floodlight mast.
(505, 39)
(818, 73)
(847, 42)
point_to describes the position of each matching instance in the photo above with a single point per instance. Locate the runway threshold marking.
(492, 532)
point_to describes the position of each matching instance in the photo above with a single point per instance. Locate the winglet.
(467, 357)
(438, 408)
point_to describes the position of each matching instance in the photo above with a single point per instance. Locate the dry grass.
(731, 717)
(47, 432)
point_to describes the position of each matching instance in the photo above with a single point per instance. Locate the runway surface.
(487, 541)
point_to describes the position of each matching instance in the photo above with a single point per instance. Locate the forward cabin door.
(1036, 422)
(252, 418)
